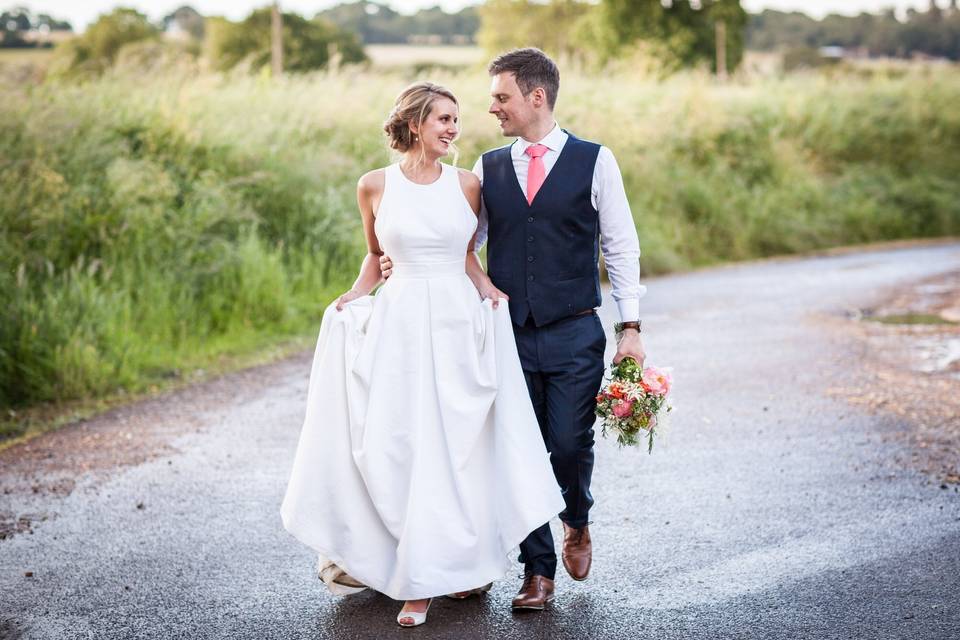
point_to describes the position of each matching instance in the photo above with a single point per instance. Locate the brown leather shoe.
(577, 551)
(536, 592)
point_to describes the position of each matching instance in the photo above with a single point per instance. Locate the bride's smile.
(438, 131)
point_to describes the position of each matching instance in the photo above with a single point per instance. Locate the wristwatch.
(630, 324)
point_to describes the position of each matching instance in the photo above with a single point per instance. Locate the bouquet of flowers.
(634, 402)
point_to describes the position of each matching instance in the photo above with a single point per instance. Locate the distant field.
(383, 55)
(24, 55)
(402, 55)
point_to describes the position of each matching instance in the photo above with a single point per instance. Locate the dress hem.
(455, 587)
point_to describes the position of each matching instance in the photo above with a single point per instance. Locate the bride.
(420, 464)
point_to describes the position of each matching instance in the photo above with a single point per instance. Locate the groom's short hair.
(532, 68)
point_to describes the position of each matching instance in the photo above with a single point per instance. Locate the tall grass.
(148, 224)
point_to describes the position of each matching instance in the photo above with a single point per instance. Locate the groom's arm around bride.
(551, 203)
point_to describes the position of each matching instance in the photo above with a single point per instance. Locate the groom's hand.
(630, 346)
(386, 266)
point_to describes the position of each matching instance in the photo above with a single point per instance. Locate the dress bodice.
(423, 224)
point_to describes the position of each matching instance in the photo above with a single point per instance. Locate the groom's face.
(513, 110)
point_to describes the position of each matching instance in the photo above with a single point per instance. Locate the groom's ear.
(538, 97)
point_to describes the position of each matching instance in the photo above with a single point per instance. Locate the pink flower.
(656, 381)
(623, 409)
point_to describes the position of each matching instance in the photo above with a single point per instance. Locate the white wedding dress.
(420, 465)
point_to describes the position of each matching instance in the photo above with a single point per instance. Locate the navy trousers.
(563, 365)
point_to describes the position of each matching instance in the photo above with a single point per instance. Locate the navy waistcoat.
(545, 255)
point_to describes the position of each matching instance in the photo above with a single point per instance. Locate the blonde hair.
(412, 105)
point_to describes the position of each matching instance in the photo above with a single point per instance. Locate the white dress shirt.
(618, 234)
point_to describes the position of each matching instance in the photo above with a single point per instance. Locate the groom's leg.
(537, 552)
(572, 364)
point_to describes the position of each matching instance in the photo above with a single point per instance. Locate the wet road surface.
(772, 509)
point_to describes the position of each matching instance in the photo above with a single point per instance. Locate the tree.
(686, 32)
(935, 32)
(51, 23)
(734, 20)
(307, 44)
(551, 26)
(378, 23)
(185, 20)
(13, 24)
(97, 48)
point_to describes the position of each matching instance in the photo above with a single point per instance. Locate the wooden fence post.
(276, 41)
(721, 50)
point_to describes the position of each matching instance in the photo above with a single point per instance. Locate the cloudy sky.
(82, 13)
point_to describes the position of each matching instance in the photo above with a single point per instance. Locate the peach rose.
(656, 381)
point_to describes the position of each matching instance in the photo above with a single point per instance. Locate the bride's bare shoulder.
(470, 185)
(469, 181)
(371, 183)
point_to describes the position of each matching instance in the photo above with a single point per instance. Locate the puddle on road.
(922, 321)
(941, 355)
(911, 343)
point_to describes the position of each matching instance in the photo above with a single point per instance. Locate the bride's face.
(440, 128)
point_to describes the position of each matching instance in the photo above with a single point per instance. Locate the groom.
(551, 201)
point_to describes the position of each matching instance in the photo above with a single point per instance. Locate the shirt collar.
(553, 141)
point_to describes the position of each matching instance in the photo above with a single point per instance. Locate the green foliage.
(687, 31)
(935, 32)
(187, 20)
(552, 26)
(677, 36)
(147, 228)
(377, 23)
(16, 22)
(98, 46)
(307, 44)
(13, 24)
(140, 236)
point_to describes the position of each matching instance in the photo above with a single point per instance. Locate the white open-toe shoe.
(417, 617)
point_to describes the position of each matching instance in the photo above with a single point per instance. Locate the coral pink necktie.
(536, 173)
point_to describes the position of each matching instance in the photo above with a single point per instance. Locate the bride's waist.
(429, 269)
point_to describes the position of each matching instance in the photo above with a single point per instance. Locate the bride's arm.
(369, 192)
(471, 189)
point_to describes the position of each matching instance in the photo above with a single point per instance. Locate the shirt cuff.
(629, 309)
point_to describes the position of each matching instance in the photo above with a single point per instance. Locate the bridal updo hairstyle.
(412, 105)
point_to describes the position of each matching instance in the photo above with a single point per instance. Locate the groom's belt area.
(586, 312)
(548, 295)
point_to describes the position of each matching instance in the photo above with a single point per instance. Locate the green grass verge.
(152, 222)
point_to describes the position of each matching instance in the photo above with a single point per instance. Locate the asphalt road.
(773, 509)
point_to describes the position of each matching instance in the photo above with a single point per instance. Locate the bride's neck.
(416, 166)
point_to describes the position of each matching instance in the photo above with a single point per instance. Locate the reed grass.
(150, 223)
